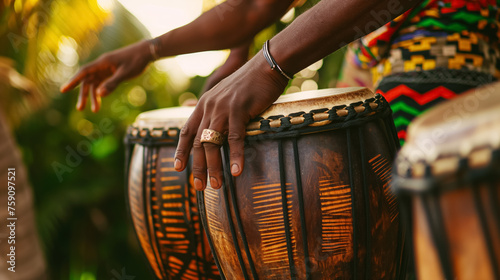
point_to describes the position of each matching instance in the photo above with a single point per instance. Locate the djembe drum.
(447, 176)
(162, 201)
(313, 201)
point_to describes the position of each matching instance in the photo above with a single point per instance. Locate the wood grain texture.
(465, 236)
(164, 210)
(346, 238)
(382, 168)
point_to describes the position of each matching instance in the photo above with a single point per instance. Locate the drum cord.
(358, 113)
(203, 218)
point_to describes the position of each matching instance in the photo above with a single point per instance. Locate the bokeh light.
(137, 96)
(87, 276)
(186, 96)
(106, 5)
(309, 85)
(289, 16)
(85, 127)
(67, 51)
(161, 16)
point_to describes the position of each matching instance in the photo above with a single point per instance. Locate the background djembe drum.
(162, 201)
(448, 176)
(313, 201)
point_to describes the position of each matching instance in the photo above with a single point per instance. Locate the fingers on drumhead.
(186, 141)
(199, 167)
(235, 139)
(214, 164)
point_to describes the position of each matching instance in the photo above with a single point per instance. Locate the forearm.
(330, 25)
(227, 25)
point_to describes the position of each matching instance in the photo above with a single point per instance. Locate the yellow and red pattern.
(432, 53)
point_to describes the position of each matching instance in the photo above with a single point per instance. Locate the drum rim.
(325, 119)
(405, 178)
(338, 116)
(147, 115)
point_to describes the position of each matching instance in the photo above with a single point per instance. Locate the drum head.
(174, 117)
(317, 108)
(307, 101)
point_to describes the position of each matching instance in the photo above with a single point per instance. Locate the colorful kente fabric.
(412, 93)
(432, 53)
(432, 18)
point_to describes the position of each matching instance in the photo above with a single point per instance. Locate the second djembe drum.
(313, 201)
(448, 176)
(162, 201)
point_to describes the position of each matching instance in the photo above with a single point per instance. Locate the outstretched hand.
(102, 76)
(227, 108)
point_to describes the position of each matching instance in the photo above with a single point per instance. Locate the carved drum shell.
(162, 201)
(313, 201)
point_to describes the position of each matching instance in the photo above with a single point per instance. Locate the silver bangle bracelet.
(154, 48)
(272, 62)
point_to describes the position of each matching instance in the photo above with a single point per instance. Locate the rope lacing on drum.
(280, 126)
(338, 117)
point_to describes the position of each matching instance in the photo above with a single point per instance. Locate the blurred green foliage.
(76, 159)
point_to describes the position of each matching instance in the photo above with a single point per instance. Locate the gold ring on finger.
(212, 136)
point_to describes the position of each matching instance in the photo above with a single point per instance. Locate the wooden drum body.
(313, 201)
(162, 201)
(448, 176)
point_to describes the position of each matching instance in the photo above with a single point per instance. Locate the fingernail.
(101, 91)
(177, 164)
(235, 169)
(198, 184)
(214, 183)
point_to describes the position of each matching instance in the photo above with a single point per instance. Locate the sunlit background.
(81, 213)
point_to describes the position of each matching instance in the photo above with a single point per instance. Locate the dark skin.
(237, 58)
(232, 103)
(243, 95)
(229, 25)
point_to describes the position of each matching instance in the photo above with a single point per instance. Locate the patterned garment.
(412, 93)
(432, 53)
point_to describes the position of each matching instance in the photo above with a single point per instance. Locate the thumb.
(109, 85)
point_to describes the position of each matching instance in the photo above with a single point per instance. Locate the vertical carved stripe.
(212, 203)
(336, 218)
(137, 211)
(176, 227)
(382, 169)
(267, 207)
(148, 204)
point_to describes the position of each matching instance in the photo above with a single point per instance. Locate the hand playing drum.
(313, 201)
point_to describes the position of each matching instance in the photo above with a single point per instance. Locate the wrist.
(272, 62)
(268, 73)
(152, 49)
